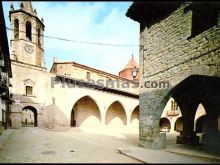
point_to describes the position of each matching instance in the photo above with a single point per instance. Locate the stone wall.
(169, 53)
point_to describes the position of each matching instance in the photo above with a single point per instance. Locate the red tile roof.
(131, 64)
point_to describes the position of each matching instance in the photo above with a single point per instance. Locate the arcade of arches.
(198, 107)
(86, 113)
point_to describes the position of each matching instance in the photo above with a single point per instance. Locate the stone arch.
(134, 120)
(29, 30)
(178, 127)
(116, 115)
(171, 108)
(199, 113)
(201, 124)
(85, 112)
(113, 101)
(165, 124)
(34, 111)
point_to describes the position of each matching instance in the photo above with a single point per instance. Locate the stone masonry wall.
(169, 53)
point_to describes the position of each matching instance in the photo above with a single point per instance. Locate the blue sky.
(103, 22)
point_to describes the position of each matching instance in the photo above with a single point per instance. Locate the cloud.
(103, 22)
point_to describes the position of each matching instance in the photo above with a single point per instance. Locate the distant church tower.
(27, 35)
(30, 77)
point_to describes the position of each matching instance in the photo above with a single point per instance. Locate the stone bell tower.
(27, 35)
(30, 77)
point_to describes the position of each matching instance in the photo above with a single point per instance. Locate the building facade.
(5, 74)
(179, 43)
(95, 97)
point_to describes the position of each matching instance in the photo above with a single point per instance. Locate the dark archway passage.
(201, 124)
(195, 90)
(165, 124)
(29, 116)
(85, 112)
(178, 127)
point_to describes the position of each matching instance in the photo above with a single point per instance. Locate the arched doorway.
(29, 116)
(135, 118)
(165, 125)
(200, 119)
(115, 115)
(201, 124)
(178, 124)
(85, 113)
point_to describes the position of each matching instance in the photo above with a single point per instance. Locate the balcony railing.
(173, 113)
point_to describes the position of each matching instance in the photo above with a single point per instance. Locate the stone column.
(188, 136)
(151, 107)
(211, 138)
(16, 119)
(16, 116)
(40, 118)
(103, 112)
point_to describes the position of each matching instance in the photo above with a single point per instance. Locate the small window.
(38, 36)
(88, 75)
(174, 106)
(28, 31)
(29, 90)
(16, 29)
(203, 18)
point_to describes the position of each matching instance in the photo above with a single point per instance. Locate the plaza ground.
(84, 145)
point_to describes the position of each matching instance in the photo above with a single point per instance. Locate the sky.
(101, 22)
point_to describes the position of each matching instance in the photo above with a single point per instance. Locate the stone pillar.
(40, 118)
(211, 138)
(172, 124)
(188, 136)
(16, 119)
(16, 116)
(103, 112)
(128, 118)
(151, 107)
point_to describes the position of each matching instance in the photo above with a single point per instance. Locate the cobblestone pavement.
(36, 145)
(78, 145)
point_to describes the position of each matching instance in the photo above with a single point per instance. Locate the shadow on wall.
(54, 119)
(85, 113)
(116, 115)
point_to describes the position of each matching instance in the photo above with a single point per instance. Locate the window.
(28, 30)
(16, 29)
(38, 36)
(29, 90)
(204, 16)
(88, 75)
(174, 106)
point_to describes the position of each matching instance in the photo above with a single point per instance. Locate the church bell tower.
(27, 35)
